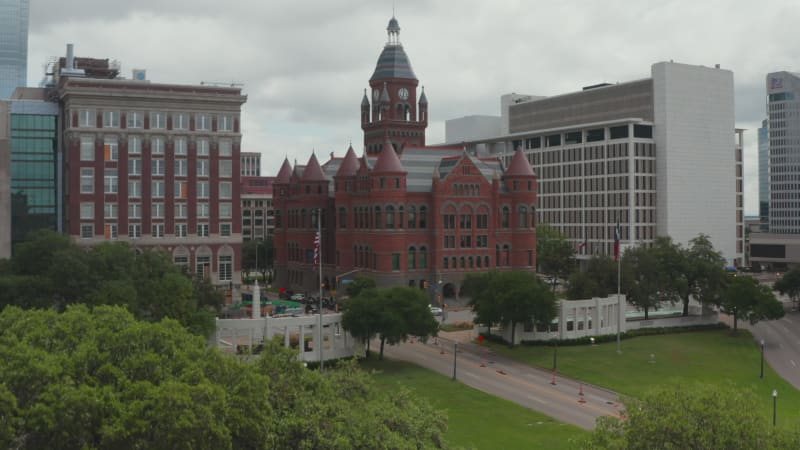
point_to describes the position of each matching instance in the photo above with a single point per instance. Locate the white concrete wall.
(232, 333)
(696, 173)
(471, 128)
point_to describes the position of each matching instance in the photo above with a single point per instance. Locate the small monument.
(256, 301)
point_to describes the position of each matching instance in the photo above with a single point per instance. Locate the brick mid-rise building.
(157, 165)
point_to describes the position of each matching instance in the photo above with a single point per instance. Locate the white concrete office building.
(659, 156)
(783, 107)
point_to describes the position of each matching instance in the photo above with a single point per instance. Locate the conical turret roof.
(388, 161)
(349, 166)
(393, 62)
(519, 165)
(285, 173)
(423, 100)
(365, 99)
(313, 172)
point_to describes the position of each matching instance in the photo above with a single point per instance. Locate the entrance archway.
(449, 290)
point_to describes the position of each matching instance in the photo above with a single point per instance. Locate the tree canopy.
(554, 254)
(746, 298)
(102, 379)
(512, 298)
(691, 416)
(789, 284)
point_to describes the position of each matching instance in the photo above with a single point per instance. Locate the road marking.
(536, 399)
(793, 363)
(788, 319)
(785, 329)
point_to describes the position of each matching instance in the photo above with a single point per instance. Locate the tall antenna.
(393, 2)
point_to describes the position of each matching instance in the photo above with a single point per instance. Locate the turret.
(365, 113)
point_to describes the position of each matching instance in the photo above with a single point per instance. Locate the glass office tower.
(13, 45)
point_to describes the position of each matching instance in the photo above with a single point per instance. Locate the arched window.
(523, 216)
(412, 258)
(423, 217)
(497, 255)
(423, 258)
(225, 263)
(533, 216)
(412, 216)
(453, 263)
(507, 254)
(407, 113)
(445, 263)
(478, 262)
(486, 261)
(462, 261)
(342, 217)
(400, 216)
(377, 223)
(390, 216)
(505, 217)
(400, 114)
(302, 218)
(471, 262)
(314, 218)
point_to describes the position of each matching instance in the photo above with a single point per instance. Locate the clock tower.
(390, 109)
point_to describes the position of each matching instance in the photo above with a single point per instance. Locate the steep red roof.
(285, 174)
(257, 185)
(313, 171)
(519, 165)
(388, 160)
(349, 166)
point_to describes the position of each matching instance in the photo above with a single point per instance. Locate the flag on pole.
(316, 249)
(581, 247)
(617, 236)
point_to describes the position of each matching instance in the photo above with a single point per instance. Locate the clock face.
(376, 94)
(403, 93)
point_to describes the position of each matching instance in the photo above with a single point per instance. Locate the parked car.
(299, 297)
(436, 311)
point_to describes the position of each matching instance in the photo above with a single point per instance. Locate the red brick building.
(403, 213)
(156, 165)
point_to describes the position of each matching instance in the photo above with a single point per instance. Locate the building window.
(87, 118)
(202, 189)
(412, 258)
(423, 258)
(225, 123)
(202, 122)
(87, 210)
(87, 230)
(157, 210)
(483, 221)
(134, 145)
(482, 241)
(157, 167)
(225, 268)
(225, 168)
(110, 149)
(134, 230)
(466, 221)
(202, 147)
(225, 147)
(377, 217)
(202, 168)
(110, 231)
(181, 189)
(225, 229)
(158, 120)
(87, 148)
(180, 121)
(181, 167)
(180, 230)
(412, 216)
(87, 180)
(225, 211)
(466, 241)
(157, 230)
(506, 219)
(110, 181)
(135, 119)
(181, 210)
(157, 145)
(181, 149)
(203, 210)
(157, 189)
(202, 229)
(390, 216)
(523, 216)
(423, 217)
(395, 261)
(342, 217)
(135, 167)
(134, 210)
(110, 119)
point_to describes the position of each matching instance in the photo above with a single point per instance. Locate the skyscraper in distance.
(13, 45)
(763, 173)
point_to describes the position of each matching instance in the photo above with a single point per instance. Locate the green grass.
(476, 419)
(708, 356)
(461, 326)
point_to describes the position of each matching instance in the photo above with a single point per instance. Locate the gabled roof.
(349, 165)
(313, 171)
(388, 162)
(285, 173)
(519, 165)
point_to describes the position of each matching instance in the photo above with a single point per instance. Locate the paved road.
(522, 384)
(781, 345)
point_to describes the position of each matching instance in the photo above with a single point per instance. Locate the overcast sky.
(304, 63)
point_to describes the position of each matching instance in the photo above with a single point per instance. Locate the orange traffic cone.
(553, 381)
(442, 349)
(580, 394)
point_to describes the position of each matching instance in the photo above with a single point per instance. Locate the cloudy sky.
(304, 63)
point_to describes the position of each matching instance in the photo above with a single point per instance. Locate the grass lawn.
(475, 419)
(707, 356)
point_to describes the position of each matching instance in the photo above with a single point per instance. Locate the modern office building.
(5, 179)
(783, 107)
(404, 213)
(153, 164)
(36, 201)
(13, 45)
(763, 174)
(658, 156)
(258, 221)
(251, 164)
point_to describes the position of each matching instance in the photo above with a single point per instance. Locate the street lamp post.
(555, 352)
(762, 359)
(455, 358)
(774, 406)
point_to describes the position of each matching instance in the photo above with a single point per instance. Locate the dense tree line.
(101, 379)
(391, 314)
(48, 270)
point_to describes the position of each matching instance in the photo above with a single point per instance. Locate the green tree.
(359, 283)
(647, 284)
(789, 284)
(704, 273)
(599, 279)
(514, 297)
(554, 253)
(693, 416)
(746, 298)
(486, 309)
(361, 316)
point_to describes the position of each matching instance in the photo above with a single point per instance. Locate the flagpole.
(319, 261)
